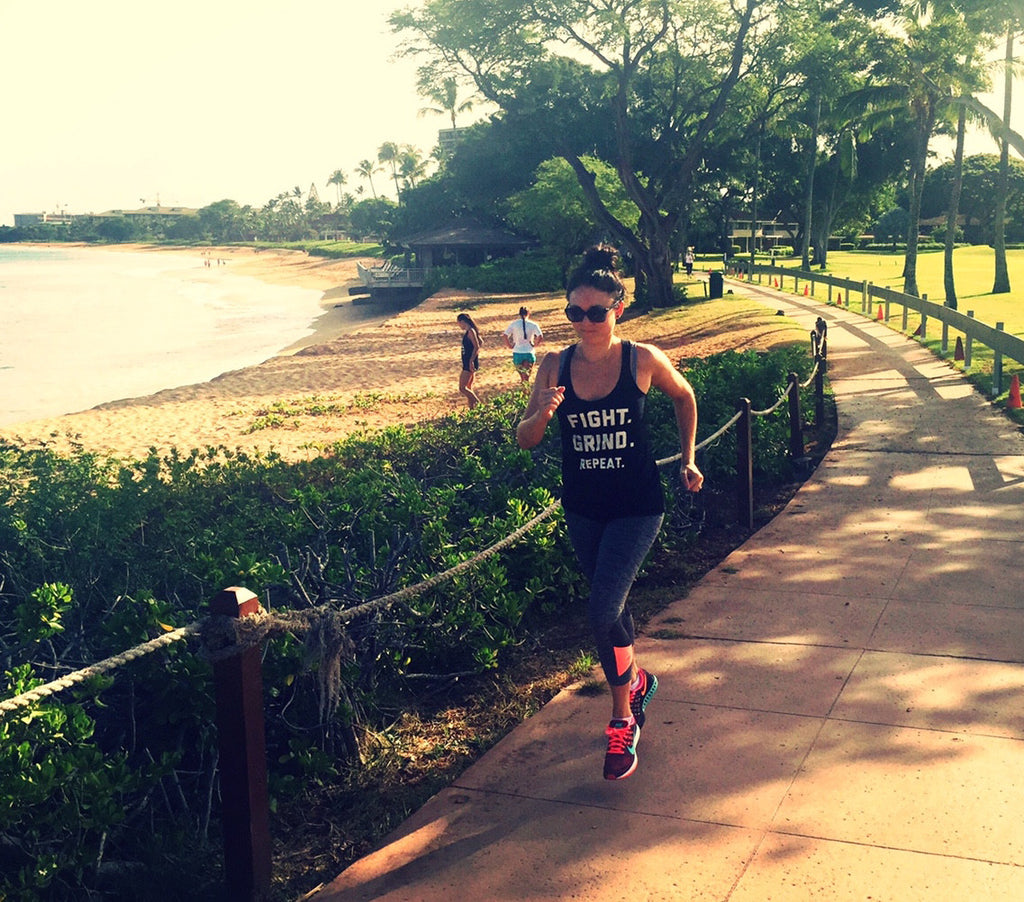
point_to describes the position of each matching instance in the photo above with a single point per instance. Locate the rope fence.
(233, 633)
(100, 667)
(224, 637)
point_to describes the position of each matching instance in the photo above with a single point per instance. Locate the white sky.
(108, 102)
(114, 103)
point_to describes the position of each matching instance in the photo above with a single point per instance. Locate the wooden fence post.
(819, 392)
(997, 367)
(968, 345)
(796, 430)
(744, 466)
(238, 683)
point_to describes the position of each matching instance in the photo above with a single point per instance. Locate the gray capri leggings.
(610, 554)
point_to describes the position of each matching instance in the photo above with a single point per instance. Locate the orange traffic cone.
(775, 284)
(879, 317)
(807, 291)
(1013, 400)
(839, 299)
(958, 351)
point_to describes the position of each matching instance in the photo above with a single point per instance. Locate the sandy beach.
(363, 368)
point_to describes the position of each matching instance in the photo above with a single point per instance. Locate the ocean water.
(82, 326)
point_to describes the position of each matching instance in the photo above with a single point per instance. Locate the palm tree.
(1001, 284)
(337, 179)
(389, 152)
(953, 212)
(366, 169)
(445, 95)
(412, 166)
(917, 71)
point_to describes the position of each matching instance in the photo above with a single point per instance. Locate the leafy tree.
(222, 220)
(555, 210)
(434, 200)
(892, 226)
(185, 229)
(980, 182)
(373, 216)
(643, 84)
(116, 228)
(495, 160)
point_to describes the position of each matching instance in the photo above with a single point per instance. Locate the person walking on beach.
(471, 342)
(611, 489)
(522, 336)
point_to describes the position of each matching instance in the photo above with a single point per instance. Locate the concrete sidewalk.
(841, 709)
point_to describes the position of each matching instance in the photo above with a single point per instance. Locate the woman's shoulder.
(650, 357)
(646, 349)
(551, 364)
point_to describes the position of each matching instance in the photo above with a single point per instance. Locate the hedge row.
(98, 555)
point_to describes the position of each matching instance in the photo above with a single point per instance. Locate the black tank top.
(470, 355)
(608, 469)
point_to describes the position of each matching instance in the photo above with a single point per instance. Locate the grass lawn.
(974, 271)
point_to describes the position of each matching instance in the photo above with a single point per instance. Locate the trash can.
(715, 283)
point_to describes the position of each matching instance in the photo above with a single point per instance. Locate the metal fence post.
(241, 737)
(744, 466)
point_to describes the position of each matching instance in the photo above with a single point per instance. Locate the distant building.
(157, 211)
(30, 219)
(450, 138)
(22, 220)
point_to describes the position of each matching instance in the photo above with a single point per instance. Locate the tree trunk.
(1001, 285)
(755, 190)
(650, 247)
(656, 265)
(812, 159)
(918, 166)
(953, 214)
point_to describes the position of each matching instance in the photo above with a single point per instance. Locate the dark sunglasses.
(577, 314)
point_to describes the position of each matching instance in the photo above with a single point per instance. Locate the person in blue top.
(611, 489)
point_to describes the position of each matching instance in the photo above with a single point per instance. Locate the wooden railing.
(873, 296)
(391, 276)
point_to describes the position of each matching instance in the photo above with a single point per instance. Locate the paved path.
(841, 712)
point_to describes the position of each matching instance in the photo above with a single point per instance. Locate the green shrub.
(527, 273)
(98, 555)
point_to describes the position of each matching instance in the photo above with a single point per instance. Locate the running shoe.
(621, 759)
(640, 697)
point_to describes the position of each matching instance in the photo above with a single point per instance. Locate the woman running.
(611, 489)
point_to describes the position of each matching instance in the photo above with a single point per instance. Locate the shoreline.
(398, 368)
(358, 369)
(293, 269)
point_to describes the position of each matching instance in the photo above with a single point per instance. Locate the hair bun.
(601, 257)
